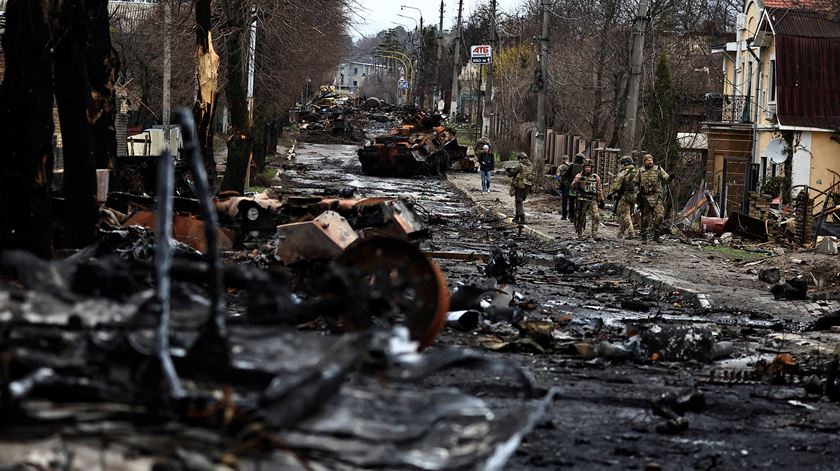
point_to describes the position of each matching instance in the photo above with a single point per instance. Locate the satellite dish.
(775, 151)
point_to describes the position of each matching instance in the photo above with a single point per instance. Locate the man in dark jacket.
(564, 179)
(485, 167)
(575, 169)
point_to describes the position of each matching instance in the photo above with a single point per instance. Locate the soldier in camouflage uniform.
(587, 185)
(520, 185)
(624, 192)
(649, 180)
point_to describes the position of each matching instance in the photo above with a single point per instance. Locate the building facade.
(350, 76)
(779, 113)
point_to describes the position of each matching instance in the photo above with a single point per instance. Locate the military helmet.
(626, 160)
(486, 147)
(589, 163)
(647, 157)
(523, 156)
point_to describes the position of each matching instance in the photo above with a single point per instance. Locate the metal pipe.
(214, 331)
(163, 264)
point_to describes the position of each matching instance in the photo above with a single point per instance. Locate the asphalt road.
(604, 417)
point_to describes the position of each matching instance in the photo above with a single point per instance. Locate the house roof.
(812, 5)
(808, 24)
(807, 71)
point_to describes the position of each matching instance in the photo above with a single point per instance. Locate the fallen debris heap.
(420, 146)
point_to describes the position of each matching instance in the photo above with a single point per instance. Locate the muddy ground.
(603, 416)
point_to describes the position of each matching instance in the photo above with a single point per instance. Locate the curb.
(526, 229)
(663, 283)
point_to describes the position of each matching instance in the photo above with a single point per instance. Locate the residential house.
(781, 96)
(350, 76)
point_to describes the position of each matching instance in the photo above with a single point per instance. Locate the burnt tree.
(103, 65)
(236, 14)
(73, 95)
(207, 66)
(26, 130)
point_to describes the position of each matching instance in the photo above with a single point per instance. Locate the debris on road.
(794, 288)
(420, 146)
(770, 275)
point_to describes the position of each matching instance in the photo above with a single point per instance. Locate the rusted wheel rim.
(400, 277)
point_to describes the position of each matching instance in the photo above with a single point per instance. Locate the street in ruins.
(604, 415)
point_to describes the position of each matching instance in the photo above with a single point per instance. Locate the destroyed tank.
(420, 146)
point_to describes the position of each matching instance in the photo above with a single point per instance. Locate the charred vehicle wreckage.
(154, 348)
(419, 146)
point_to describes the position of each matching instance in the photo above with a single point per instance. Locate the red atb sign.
(481, 54)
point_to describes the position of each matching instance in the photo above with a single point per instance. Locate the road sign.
(481, 54)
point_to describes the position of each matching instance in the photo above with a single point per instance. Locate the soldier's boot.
(656, 237)
(595, 235)
(580, 235)
(644, 237)
(630, 235)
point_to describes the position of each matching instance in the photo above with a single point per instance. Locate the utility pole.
(489, 107)
(439, 88)
(628, 137)
(167, 70)
(456, 60)
(539, 148)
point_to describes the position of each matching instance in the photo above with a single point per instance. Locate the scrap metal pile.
(141, 352)
(419, 146)
(331, 118)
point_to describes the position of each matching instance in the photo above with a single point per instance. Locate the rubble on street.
(419, 146)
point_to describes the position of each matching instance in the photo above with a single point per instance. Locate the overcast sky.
(377, 15)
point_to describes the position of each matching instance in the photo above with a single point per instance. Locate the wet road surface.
(602, 418)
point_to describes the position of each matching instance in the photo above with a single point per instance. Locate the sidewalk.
(713, 278)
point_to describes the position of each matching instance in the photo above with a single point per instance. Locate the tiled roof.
(806, 24)
(812, 5)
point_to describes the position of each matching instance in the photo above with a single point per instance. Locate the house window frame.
(771, 82)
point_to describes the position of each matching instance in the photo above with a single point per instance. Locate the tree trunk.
(598, 125)
(26, 127)
(73, 95)
(239, 151)
(207, 65)
(103, 67)
(239, 144)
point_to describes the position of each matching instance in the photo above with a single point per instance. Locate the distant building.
(350, 76)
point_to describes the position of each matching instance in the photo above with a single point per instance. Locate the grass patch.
(733, 252)
(261, 181)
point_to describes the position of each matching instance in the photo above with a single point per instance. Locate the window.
(772, 79)
(355, 71)
(355, 83)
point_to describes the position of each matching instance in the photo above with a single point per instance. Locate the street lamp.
(422, 42)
